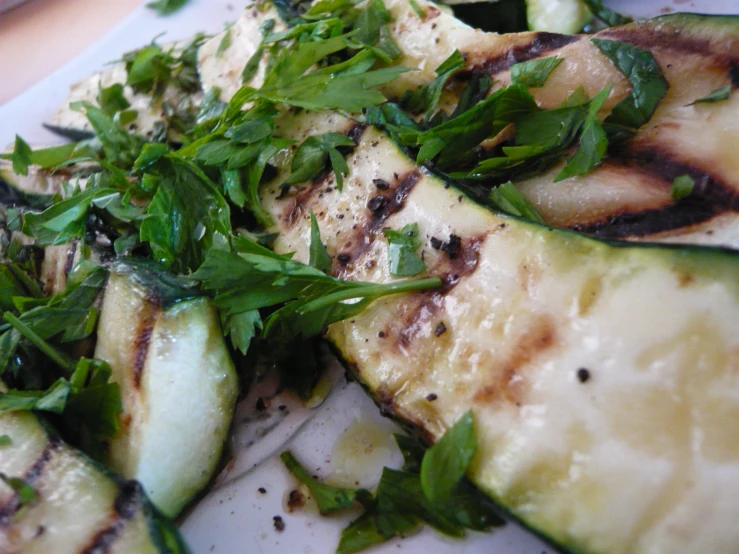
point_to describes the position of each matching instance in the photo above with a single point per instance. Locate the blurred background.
(39, 36)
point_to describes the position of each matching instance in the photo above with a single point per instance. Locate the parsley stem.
(372, 291)
(60, 359)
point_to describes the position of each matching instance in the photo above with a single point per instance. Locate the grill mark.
(148, 317)
(296, 207)
(542, 43)
(710, 197)
(125, 507)
(388, 201)
(8, 511)
(422, 319)
(507, 382)
(672, 39)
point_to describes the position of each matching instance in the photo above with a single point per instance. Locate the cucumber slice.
(557, 16)
(178, 387)
(79, 507)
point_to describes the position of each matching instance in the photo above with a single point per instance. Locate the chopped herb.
(417, 9)
(648, 87)
(252, 65)
(5, 440)
(534, 73)
(682, 187)
(111, 99)
(318, 257)
(446, 462)
(329, 499)
(507, 198)
(52, 400)
(224, 44)
(166, 7)
(311, 156)
(606, 15)
(21, 156)
(721, 93)
(257, 278)
(593, 142)
(26, 493)
(202, 216)
(402, 247)
(426, 97)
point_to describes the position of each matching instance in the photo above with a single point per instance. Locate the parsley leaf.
(369, 30)
(593, 141)
(721, 93)
(534, 73)
(26, 494)
(111, 99)
(186, 217)
(224, 44)
(319, 258)
(426, 97)
(63, 221)
(311, 156)
(402, 246)
(166, 7)
(648, 87)
(446, 462)
(508, 199)
(21, 156)
(257, 278)
(52, 400)
(329, 499)
(682, 187)
(5, 440)
(606, 15)
(241, 327)
(121, 148)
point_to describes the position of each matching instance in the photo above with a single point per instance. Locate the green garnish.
(402, 247)
(648, 87)
(682, 187)
(721, 93)
(402, 501)
(534, 73)
(166, 7)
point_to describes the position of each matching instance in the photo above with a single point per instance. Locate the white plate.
(236, 517)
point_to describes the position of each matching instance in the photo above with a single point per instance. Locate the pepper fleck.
(343, 258)
(279, 523)
(381, 184)
(440, 329)
(262, 490)
(377, 204)
(583, 375)
(431, 397)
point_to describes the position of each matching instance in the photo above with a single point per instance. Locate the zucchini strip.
(591, 368)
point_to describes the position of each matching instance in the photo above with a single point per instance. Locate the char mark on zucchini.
(34, 473)
(710, 197)
(146, 322)
(125, 507)
(541, 44)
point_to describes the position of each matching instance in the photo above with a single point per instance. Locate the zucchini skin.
(80, 505)
(526, 308)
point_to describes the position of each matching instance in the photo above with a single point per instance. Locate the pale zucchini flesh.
(178, 388)
(601, 377)
(79, 507)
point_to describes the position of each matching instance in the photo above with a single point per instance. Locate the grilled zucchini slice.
(178, 390)
(79, 506)
(601, 376)
(628, 196)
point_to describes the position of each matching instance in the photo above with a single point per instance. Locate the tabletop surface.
(42, 35)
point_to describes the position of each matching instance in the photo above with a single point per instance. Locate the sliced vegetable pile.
(311, 172)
